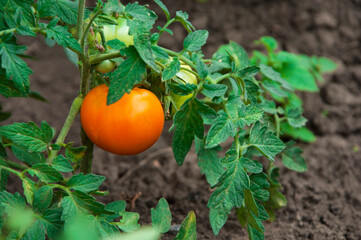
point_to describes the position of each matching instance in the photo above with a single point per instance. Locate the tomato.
(105, 66)
(120, 32)
(186, 77)
(126, 127)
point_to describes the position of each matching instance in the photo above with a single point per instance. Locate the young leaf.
(182, 17)
(269, 42)
(28, 135)
(202, 69)
(16, 68)
(270, 73)
(251, 165)
(129, 222)
(303, 134)
(85, 183)
(208, 162)
(232, 52)
(248, 115)
(45, 173)
(247, 72)
(74, 154)
(214, 90)
(161, 216)
(63, 37)
(163, 7)
(188, 228)
(125, 76)
(195, 40)
(171, 70)
(117, 207)
(222, 128)
(264, 140)
(293, 159)
(295, 118)
(188, 123)
(62, 164)
(42, 198)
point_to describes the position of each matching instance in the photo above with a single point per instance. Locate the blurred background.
(323, 203)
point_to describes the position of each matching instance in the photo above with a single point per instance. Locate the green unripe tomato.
(186, 77)
(120, 32)
(105, 66)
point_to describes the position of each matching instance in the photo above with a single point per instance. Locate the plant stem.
(80, 21)
(87, 161)
(73, 112)
(277, 122)
(12, 171)
(105, 56)
(85, 33)
(15, 165)
(220, 78)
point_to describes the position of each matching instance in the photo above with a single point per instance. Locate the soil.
(323, 203)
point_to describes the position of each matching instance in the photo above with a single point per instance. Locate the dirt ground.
(323, 203)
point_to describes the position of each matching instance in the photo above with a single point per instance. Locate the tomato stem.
(73, 112)
(87, 161)
(80, 21)
(277, 122)
(93, 59)
(15, 165)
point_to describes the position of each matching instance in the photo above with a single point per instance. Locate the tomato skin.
(105, 66)
(126, 127)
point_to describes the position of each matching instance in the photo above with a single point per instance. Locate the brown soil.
(324, 202)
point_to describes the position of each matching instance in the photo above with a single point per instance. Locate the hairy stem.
(85, 33)
(87, 161)
(105, 56)
(277, 122)
(15, 165)
(73, 112)
(80, 21)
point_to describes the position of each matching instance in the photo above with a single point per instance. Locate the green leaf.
(302, 133)
(326, 65)
(161, 216)
(140, 13)
(188, 228)
(74, 154)
(36, 95)
(18, 13)
(66, 10)
(251, 165)
(188, 123)
(208, 162)
(214, 90)
(159, 52)
(250, 202)
(63, 37)
(229, 191)
(85, 183)
(264, 140)
(25, 31)
(248, 115)
(232, 52)
(296, 72)
(16, 69)
(36, 231)
(125, 76)
(182, 89)
(42, 198)
(144, 47)
(29, 189)
(61, 164)
(222, 128)
(26, 157)
(295, 118)
(70, 208)
(10, 201)
(72, 56)
(4, 175)
(45, 173)
(171, 70)
(251, 91)
(28, 135)
(129, 222)
(117, 207)
(274, 88)
(195, 40)
(106, 230)
(292, 159)
(248, 72)
(163, 7)
(145, 233)
(51, 220)
(270, 73)
(269, 42)
(202, 69)
(182, 17)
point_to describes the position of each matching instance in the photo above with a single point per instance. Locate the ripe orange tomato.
(126, 127)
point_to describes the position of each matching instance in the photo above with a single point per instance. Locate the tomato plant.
(114, 131)
(251, 101)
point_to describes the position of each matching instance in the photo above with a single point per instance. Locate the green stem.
(87, 161)
(93, 59)
(11, 171)
(220, 78)
(85, 33)
(277, 122)
(73, 112)
(80, 21)
(15, 165)
(164, 27)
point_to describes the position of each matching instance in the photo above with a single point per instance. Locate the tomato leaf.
(18, 13)
(45, 173)
(85, 183)
(269, 42)
(195, 40)
(61, 164)
(123, 78)
(182, 17)
(208, 162)
(248, 115)
(302, 133)
(270, 73)
(222, 128)
(163, 7)
(202, 69)
(264, 140)
(16, 69)
(63, 37)
(232, 53)
(30, 158)
(247, 72)
(161, 216)
(171, 70)
(36, 231)
(188, 123)
(42, 198)
(293, 159)
(129, 221)
(295, 118)
(188, 228)
(28, 135)
(182, 89)
(66, 10)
